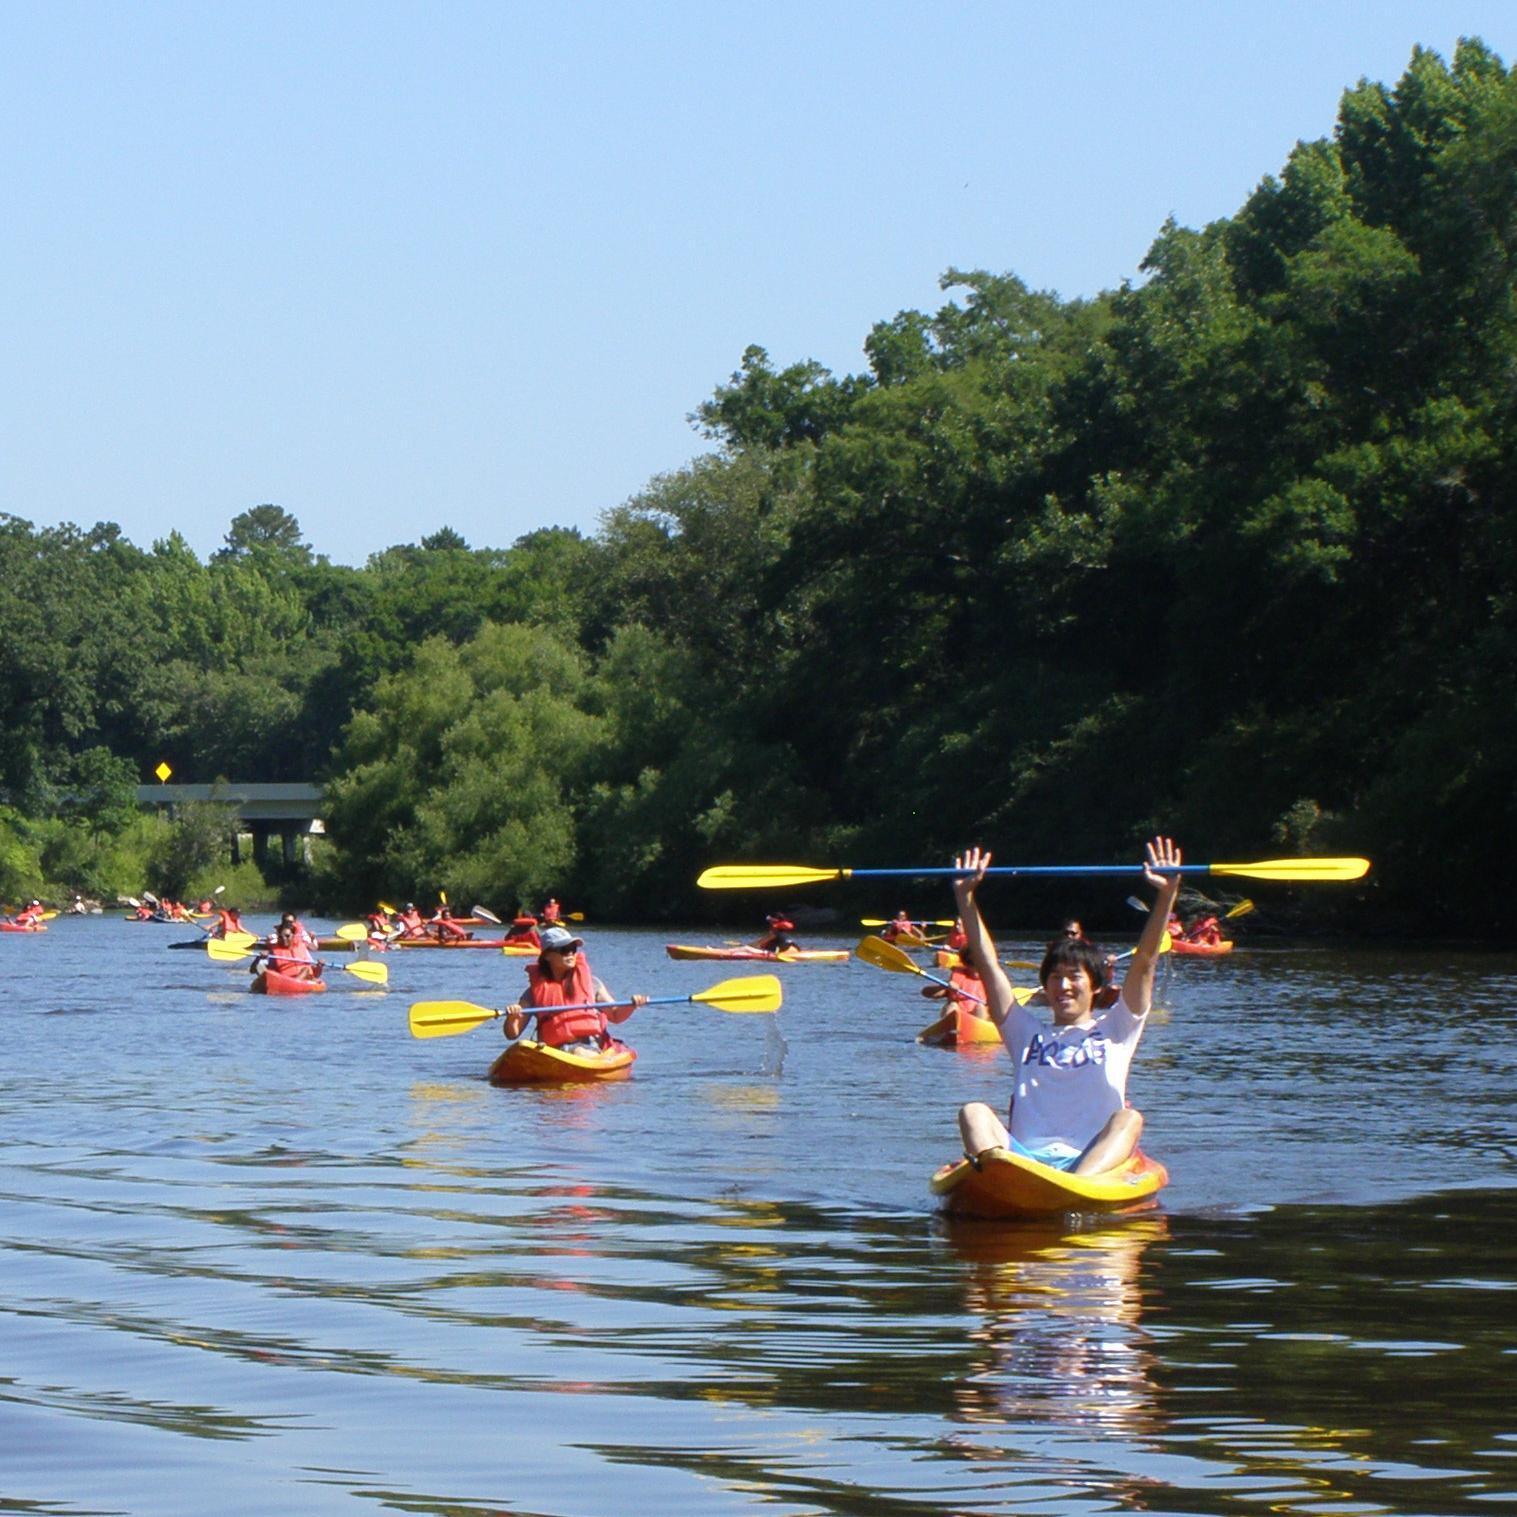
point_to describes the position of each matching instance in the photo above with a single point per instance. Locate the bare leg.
(980, 1129)
(1112, 1144)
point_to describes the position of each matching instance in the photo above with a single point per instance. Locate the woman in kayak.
(778, 939)
(522, 933)
(964, 988)
(901, 926)
(1206, 929)
(410, 922)
(442, 926)
(286, 954)
(228, 920)
(561, 977)
(552, 912)
(1068, 1107)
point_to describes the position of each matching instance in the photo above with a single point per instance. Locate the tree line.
(1227, 552)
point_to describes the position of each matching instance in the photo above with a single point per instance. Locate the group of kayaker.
(1068, 1108)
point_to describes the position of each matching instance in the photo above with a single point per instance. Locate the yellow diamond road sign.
(163, 772)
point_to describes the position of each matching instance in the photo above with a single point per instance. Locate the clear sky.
(398, 266)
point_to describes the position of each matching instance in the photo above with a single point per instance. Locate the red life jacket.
(966, 980)
(562, 1027)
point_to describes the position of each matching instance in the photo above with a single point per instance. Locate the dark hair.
(1074, 953)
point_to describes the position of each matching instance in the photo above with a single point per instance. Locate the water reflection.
(1059, 1334)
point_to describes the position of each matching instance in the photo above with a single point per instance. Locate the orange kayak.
(748, 954)
(1200, 950)
(1006, 1185)
(269, 982)
(527, 1062)
(958, 1027)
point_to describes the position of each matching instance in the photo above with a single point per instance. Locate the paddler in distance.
(1068, 1107)
(778, 939)
(561, 977)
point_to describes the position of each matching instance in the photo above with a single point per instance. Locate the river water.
(262, 1256)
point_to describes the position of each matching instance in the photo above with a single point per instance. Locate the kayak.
(23, 926)
(269, 982)
(749, 954)
(1006, 1185)
(1200, 950)
(496, 943)
(958, 1027)
(527, 1062)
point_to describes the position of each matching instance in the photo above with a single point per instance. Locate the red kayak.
(269, 982)
(1200, 950)
(23, 926)
(496, 943)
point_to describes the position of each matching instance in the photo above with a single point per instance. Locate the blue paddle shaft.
(1071, 870)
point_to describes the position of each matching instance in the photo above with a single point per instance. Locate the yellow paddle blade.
(885, 955)
(1242, 909)
(576, 916)
(442, 1019)
(764, 876)
(371, 973)
(1297, 869)
(757, 992)
(352, 932)
(227, 953)
(387, 908)
(1165, 942)
(238, 939)
(442, 895)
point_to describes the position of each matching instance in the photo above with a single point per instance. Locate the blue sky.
(397, 266)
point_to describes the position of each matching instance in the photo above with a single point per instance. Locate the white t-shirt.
(1070, 1080)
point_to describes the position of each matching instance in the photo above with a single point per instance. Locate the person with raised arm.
(1069, 1100)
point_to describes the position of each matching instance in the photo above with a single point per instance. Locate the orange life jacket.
(562, 1027)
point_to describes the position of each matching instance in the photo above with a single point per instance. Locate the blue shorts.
(1056, 1155)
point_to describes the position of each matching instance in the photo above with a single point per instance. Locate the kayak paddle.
(485, 913)
(352, 932)
(374, 974)
(885, 922)
(787, 876)
(1242, 909)
(885, 955)
(441, 1019)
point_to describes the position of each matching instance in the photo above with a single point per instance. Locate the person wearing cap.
(552, 912)
(561, 977)
(776, 939)
(410, 922)
(29, 915)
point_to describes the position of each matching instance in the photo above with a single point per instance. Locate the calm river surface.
(265, 1257)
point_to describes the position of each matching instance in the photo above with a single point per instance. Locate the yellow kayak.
(527, 1062)
(748, 954)
(958, 1027)
(1007, 1185)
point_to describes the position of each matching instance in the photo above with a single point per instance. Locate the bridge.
(293, 811)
